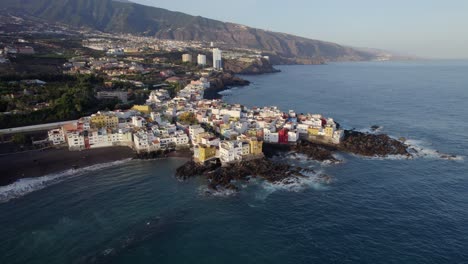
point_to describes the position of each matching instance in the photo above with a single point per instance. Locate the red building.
(324, 122)
(283, 136)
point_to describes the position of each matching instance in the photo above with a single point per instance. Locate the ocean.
(377, 210)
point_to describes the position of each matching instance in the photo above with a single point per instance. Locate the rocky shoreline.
(222, 178)
(221, 82)
(366, 144)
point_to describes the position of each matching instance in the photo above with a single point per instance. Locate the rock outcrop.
(249, 66)
(223, 177)
(313, 151)
(372, 145)
(221, 82)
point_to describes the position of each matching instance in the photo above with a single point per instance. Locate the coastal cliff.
(222, 81)
(249, 66)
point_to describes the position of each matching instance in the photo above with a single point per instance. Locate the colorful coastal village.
(212, 129)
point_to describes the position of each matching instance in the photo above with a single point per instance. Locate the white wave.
(225, 92)
(317, 181)
(421, 149)
(370, 130)
(302, 160)
(205, 191)
(27, 185)
(388, 157)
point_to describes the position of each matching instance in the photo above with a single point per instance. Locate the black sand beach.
(39, 163)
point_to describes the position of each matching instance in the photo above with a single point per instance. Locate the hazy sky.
(428, 28)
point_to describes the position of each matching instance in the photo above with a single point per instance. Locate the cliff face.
(252, 66)
(125, 17)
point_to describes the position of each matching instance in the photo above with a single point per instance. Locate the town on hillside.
(144, 93)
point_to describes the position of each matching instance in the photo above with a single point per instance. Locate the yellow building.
(256, 146)
(252, 132)
(313, 131)
(99, 121)
(146, 109)
(329, 131)
(201, 136)
(224, 127)
(245, 148)
(204, 152)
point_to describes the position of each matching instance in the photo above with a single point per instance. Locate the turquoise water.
(376, 211)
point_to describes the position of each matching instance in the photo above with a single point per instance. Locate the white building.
(236, 113)
(75, 140)
(338, 136)
(156, 117)
(194, 131)
(142, 141)
(302, 128)
(186, 58)
(217, 59)
(230, 151)
(138, 121)
(293, 136)
(271, 137)
(56, 136)
(201, 59)
(181, 139)
(117, 52)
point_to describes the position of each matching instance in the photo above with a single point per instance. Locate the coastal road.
(34, 128)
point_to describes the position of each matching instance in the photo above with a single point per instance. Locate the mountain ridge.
(128, 17)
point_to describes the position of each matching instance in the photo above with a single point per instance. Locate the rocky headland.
(223, 81)
(249, 66)
(367, 144)
(222, 178)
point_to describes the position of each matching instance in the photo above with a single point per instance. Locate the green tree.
(19, 139)
(188, 118)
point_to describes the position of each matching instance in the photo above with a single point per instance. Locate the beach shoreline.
(39, 163)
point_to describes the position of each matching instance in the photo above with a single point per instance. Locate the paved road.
(34, 128)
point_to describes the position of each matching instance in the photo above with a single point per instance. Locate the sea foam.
(27, 185)
(422, 149)
(313, 180)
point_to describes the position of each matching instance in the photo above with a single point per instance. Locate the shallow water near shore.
(392, 210)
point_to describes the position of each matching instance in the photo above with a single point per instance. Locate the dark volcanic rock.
(315, 151)
(355, 142)
(257, 66)
(221, 82)
(223, 177)
(312, 150)
(191, 169)
(372, 145)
